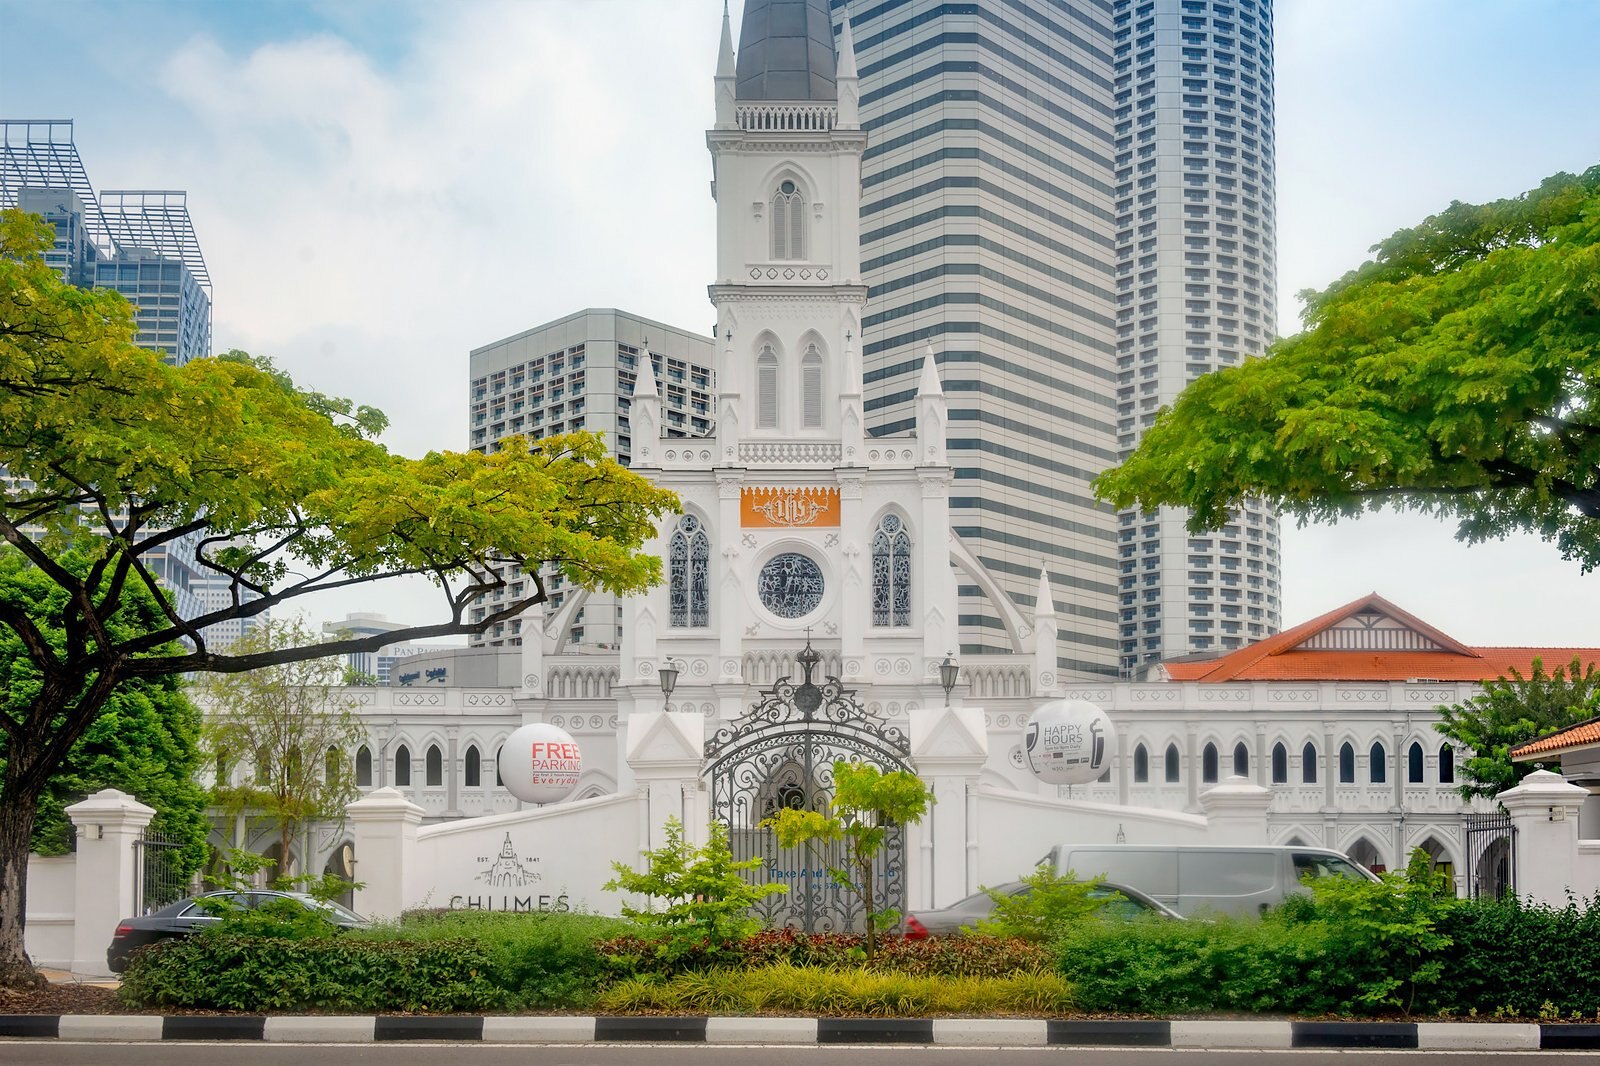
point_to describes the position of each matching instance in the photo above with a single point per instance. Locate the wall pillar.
(1544, 812)
(664, 753)
(383, 830)
(107, 824)
(948, 748)
(1236, 812)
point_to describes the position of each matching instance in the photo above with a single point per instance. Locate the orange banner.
(785, 508)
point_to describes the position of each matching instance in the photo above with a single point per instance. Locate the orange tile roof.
(1280, 657)
(1577, 735)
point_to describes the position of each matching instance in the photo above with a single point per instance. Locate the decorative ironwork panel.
(1491, 854)
(781, 754)
(790, 585)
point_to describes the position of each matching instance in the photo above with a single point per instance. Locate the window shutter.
(780, 224)
(767, 391)
(797, 227)
(811, 388)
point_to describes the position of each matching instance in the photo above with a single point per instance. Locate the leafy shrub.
(784, 988)
(1514, 959)
(1052, 906)
(341, 974)
(956, 956)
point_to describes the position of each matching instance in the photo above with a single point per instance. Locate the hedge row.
(957, 956)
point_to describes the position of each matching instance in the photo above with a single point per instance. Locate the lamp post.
(669, 681)
(949, 670)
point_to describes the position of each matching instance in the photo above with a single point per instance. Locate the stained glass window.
(790, 585)
(891, 573)
(689, 564)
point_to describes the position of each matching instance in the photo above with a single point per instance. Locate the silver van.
(1190, 879)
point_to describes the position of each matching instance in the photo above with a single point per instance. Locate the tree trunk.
(17, 810)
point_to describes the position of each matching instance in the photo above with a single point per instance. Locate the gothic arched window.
(1208, 764)
(767, 388)
(1141, 765)
(1308, 764)
(433, 766)
(891, 573)
(364, 766)
(474, 767)
(1347, 764)
(1414, 763)
(1172, 764)
(402, 766)
(1375, 763)
(788, 223)
(811, 388)
(689, 560)
(1447, 765)
(1280, 764)
(1241, 760)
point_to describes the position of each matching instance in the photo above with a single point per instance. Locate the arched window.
(1347, 764)
(1447, 765)
(1308, 764)
(767, 388)
(402, 766)
(1414, 763)
(1208, 764)
(1280, 765)
(811, 388)
(433, 766)
(474, 768)
(497, 778)
(1241, 760)
(891, 573)
(689, 561)
(788, 223)
(330, 765)
(1141, 765)
(1375, 763)
(1172, 762)
(263, 766)
(364, 766)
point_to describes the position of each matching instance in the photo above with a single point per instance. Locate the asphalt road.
(171, 1053)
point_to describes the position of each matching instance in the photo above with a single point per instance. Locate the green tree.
(117, 455)
(1457, 373)
(1053, 906)
(867, 804)
(290, 730)
(145, 742)
(704, 899)
(1512, 711)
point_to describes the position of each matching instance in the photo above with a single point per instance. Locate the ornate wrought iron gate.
(1491, 851)
(781, 754)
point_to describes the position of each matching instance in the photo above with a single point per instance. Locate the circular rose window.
(790, 585)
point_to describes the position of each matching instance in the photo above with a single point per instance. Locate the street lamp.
(949, 670)
(669, 681)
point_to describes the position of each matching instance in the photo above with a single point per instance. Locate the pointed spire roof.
(847, 47)
(645, 383)
(725, 61)
(1045, 604)
(786, 51)
(929, 386)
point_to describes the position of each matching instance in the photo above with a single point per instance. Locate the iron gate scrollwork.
(781, 754)
(1491, 854)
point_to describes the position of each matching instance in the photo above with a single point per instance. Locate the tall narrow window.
(1172, 764)
(1241, 760)
(474, 770)
(364, 766)
(433, 766)
(689, 563)
(1414, 763)
(1347, 764)
(891, 573)
(402, 766)
(1375, 763)
(1280, 765)
(767, 388)
(788, 223)
(1447, 765)
(1208, 764)
(331, 765)
(497, 778)
(811, 388)
(1141, 765)
(1308, 764)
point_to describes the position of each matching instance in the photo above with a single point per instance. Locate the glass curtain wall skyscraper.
(1018, 222)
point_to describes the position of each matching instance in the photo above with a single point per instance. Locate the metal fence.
(1491, 854)
(157, 876)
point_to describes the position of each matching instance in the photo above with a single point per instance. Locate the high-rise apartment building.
(574, 373)
(1035, 188)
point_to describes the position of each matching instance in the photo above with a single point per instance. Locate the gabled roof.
(1578, 735)
(1369, 639)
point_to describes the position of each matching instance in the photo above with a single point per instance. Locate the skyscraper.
(1035, 193)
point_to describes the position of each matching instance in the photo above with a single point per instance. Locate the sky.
(380, 186)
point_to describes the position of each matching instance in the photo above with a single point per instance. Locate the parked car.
(191, 915)
(1122, 903)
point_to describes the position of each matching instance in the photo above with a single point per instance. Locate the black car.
(1123, 902)
(191, 916)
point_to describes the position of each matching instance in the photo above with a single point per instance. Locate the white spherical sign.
(1068, 742)
(540, 763)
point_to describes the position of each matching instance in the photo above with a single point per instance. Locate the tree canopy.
(1512, 711)
(1457, 373)
(118, 456)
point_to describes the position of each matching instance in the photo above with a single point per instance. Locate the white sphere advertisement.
(1068, 742)
(540, 763)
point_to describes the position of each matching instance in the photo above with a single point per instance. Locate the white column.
(949, 748)
(383, 830)
(107, 825)
(855, 600)
(1544, 814)
(730, 620)
(1236, 812)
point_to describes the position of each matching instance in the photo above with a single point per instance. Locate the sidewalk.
(65, 977)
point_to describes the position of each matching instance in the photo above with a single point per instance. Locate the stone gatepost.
(1544, 813)
(949, 747)
(107, 823)
(383, 830)
(1236, 812)
(665, 753)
